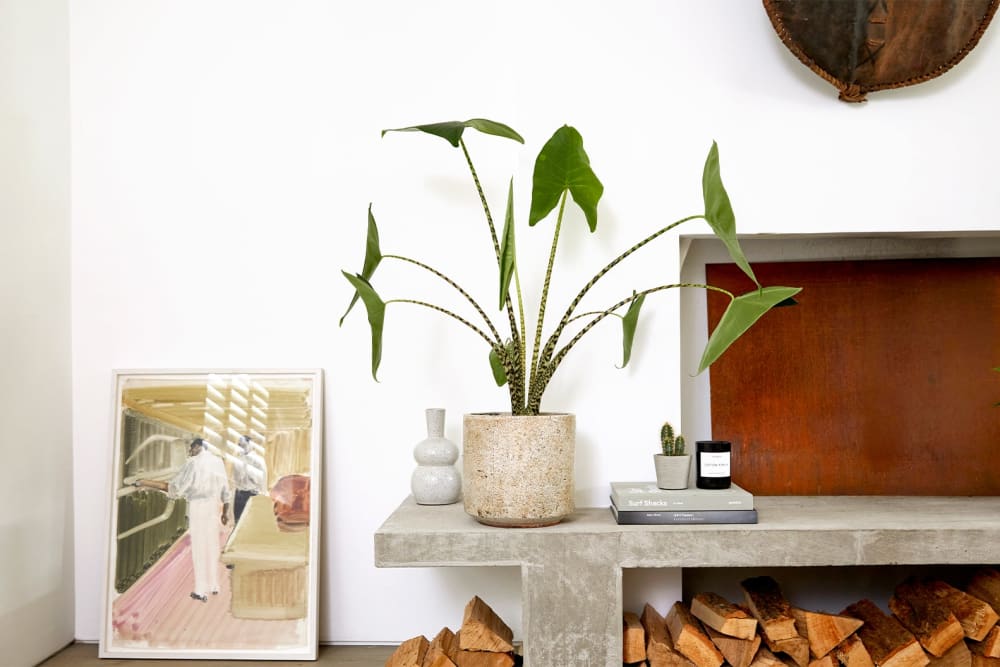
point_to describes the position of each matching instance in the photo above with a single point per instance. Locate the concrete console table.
(571, 574)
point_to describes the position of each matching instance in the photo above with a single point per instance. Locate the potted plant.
(673, 463)
(518, 465)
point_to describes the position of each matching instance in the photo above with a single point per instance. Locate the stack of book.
(644, 503)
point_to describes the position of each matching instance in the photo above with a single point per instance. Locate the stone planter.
(518, 470)
(672, 471)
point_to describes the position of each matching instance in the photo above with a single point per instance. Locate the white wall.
(225, 153)
(36, 526)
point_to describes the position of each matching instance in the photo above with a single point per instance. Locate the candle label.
(714, 464)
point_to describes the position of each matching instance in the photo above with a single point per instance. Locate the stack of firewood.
(483, 640)
(929, 623)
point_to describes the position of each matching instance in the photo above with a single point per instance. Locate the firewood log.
(888, 642)
(716, 612)
(852, 653)
(922, 613)
(483, 659)
(689, 638)
(660, 651)
(976, 616)
(737, 652)
(977, 657)
(826, 661)
(769, 607)
(823, 631)
(482, 629)
(445, 643)
(796, 648)
(957, 656)
(985, 585)
(990, 646)
(765, 658)
(410, 653)
(633, 638)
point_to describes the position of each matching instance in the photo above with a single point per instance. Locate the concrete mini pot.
(672, 471)
(518, 470)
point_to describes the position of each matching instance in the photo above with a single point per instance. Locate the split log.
(482, 629)
(770, 608)
(483, 659)
(976, 616)
(765, 658)
(957, 656)
(922, 613)
(633, 639)
(435, 658)
(852, 653)
(888, 642)
(990, 646)
(980, 660)
(410, 653)
(660, 651)
(985, 585)
(796, 648)
(826, 661)
(823, 631)
(445, 643)
(689, 638)
(716, 612)
(737, 652)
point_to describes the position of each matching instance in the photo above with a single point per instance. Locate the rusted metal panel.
(880, 382)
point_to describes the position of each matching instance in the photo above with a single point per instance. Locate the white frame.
(108, 647)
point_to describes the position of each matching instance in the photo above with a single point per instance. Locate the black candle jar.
(713, 463)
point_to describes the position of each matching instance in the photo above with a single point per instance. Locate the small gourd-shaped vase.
(435, 481)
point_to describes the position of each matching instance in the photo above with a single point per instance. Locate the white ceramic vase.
(435, 481)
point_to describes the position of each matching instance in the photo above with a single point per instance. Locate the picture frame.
(214, 515)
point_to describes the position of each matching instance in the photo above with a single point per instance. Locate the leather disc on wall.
(865, 45)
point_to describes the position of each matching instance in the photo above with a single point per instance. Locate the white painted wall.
(36, 525)
(225, 153)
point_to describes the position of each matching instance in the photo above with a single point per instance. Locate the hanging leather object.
(864, 45)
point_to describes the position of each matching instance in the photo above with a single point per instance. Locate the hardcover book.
(670, 517)
(628, 496)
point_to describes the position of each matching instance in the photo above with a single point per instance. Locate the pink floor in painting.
(158, 612)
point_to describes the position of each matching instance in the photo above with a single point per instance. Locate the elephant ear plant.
(562, 170)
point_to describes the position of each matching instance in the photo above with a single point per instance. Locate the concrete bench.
(571, 573)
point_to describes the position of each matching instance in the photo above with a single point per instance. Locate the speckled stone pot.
(518, 470)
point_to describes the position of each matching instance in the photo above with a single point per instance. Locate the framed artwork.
(213, 522)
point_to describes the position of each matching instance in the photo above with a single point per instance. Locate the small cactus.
(672, 445)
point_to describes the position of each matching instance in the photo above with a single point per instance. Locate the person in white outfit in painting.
(202, 482)
(249, 475)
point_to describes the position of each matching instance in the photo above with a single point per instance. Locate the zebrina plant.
(562, 170)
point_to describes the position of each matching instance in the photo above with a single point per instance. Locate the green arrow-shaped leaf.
(499, 374)
(507, 248)
(376, 315)
(629, 323)
(742, 313)
(373, 255)
(719, 211)
(451, 131)
(563, 165)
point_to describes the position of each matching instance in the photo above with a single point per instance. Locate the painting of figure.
(213, 540)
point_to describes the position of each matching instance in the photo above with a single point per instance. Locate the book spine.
(681, 504)
(680, 518)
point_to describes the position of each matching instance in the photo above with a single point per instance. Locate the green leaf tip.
(629, 323)
(499, 374)
(508, 257)
(719, 211)
(373, 255)
(563, 165)
(741, 314)
(452, 130)
(376, 315)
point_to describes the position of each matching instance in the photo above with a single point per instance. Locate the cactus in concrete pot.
(672, 445)
(673, 465)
